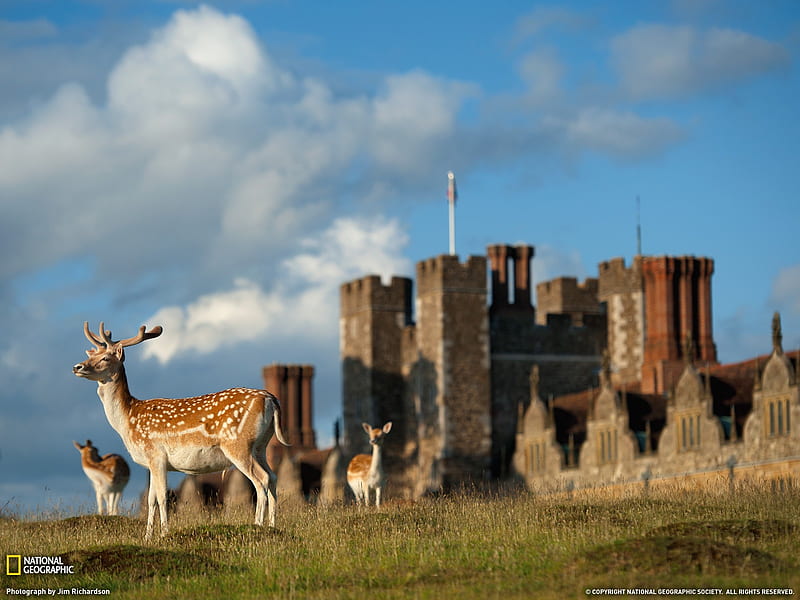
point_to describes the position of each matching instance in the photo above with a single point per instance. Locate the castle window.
(771, 419)
(607, 446)
(534, 458)
(689, 430)
(777, 421)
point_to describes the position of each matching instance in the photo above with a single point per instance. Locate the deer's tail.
(276, 415)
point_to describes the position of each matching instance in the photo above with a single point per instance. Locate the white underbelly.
(196, 460)
(98, 479)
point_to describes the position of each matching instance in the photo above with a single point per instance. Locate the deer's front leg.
(157, 495)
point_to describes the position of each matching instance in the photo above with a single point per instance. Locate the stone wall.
(621, 288)
(565, 296)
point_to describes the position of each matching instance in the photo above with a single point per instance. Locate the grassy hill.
(461, 546)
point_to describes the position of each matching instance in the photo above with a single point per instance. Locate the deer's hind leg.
(258, 472)
(260, 454)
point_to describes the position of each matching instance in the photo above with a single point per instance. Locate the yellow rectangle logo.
(13, 564)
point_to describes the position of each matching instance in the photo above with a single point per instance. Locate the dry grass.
(465, 546)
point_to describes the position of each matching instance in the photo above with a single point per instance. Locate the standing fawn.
(365, 472)
(193, 435)
(109, 475)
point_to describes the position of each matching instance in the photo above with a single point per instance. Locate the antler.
(104, 339)
(98, 342)
(139, 337)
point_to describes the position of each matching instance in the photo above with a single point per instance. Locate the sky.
(220, 169)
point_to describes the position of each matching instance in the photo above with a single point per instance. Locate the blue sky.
(221, 168)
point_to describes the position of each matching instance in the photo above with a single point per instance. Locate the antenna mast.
(638, 227)
(452, 194)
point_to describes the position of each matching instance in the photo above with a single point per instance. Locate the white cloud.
(786, 289)
(206, 155)
(658, 61)
(409, 105)
(543, 18)
(192, 74)
(542, 71)
(620, 134)
(302, 305)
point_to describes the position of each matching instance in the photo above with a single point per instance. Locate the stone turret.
(453, 338)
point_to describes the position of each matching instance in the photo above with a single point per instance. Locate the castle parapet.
(369, 293)
(565, 295)
(444, 273)
(616, 278)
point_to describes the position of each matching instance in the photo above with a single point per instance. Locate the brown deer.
(365, 472)
(109, 475)
(193, 435)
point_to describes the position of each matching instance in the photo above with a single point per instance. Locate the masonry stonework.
(373, 318)
(621, 289)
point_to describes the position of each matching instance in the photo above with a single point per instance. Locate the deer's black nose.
(77, 368)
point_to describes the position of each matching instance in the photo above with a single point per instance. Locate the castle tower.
(622, 289)
(452, 335)
(677, 293)
(292, 384)
(372, 319)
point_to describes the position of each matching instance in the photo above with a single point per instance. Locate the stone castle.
(604, 381)
(610, 381)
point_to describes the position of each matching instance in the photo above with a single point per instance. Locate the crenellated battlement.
(565, 295)
(369, 293)
(445, 272)
(614, 277)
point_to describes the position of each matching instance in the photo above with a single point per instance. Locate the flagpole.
(451, 200)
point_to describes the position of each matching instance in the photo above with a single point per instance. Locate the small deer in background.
(365, 472)
(109, 475)
(196, 435)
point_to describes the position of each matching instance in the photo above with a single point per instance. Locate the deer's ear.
(388, 427)
(119, 351)
(77, 445)
(367, 427)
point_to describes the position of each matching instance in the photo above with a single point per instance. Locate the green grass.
(464, 546)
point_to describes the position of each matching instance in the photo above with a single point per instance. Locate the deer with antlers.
(193, 435)
(109, 475)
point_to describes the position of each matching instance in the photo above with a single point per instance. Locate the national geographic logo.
(16, 564)
(13, 564)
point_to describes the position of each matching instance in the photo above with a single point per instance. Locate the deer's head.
(105, 360)
(88, 450)
(377, 434)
